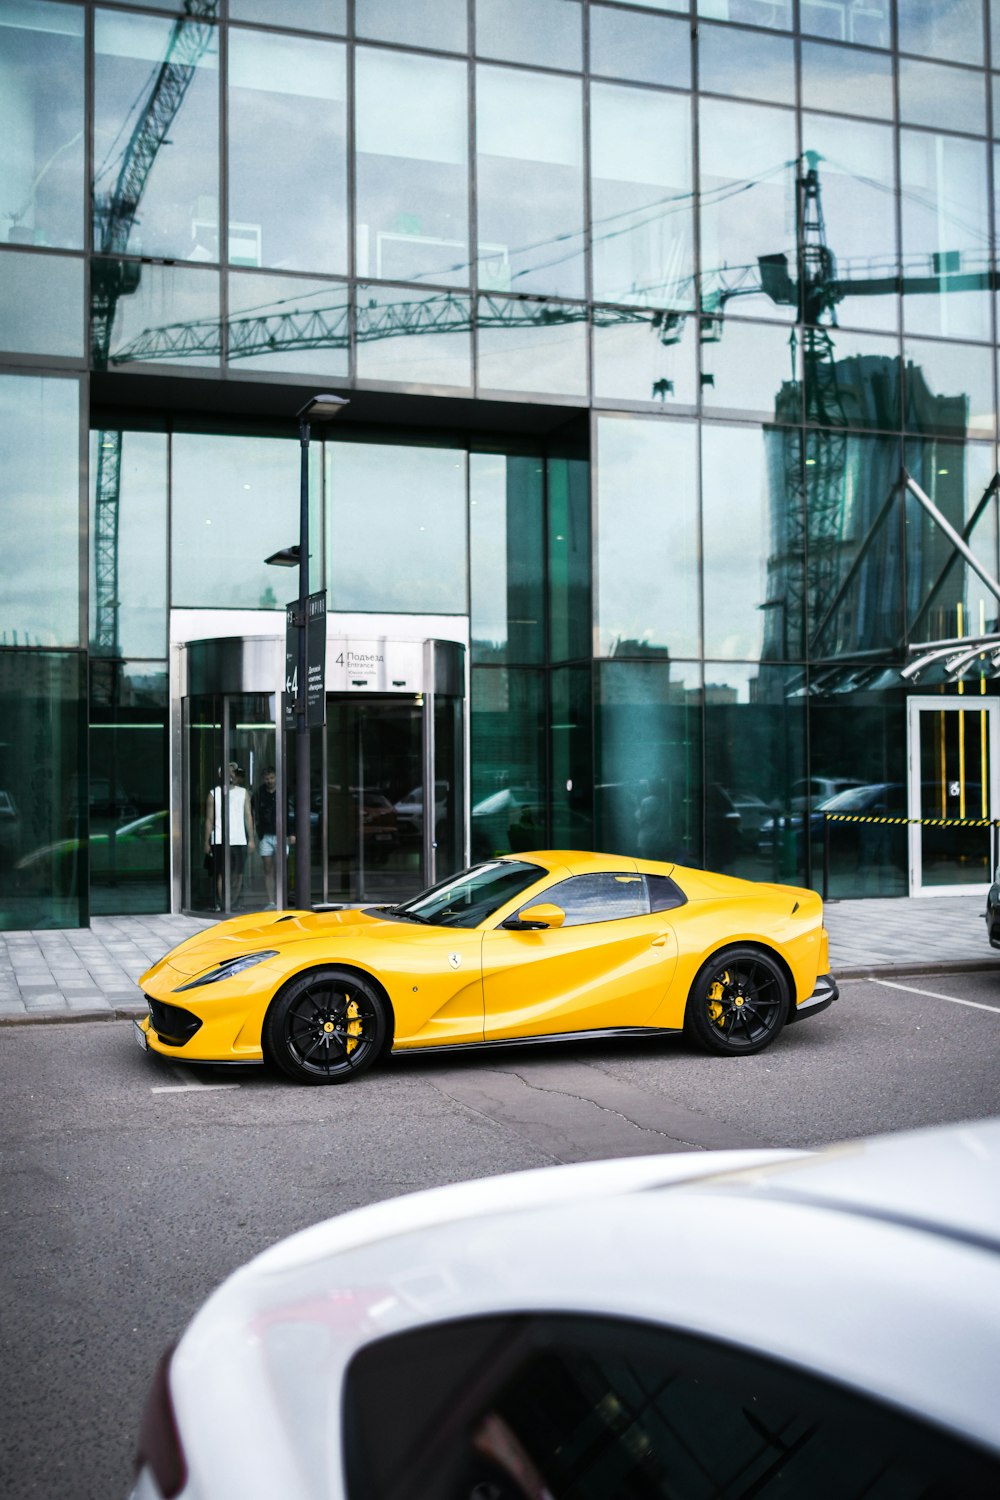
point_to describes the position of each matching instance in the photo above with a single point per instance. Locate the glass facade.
(645, 326)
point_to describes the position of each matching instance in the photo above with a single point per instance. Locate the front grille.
(172, 1025)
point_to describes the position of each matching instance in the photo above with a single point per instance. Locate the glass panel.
(532, 346)
(449, 786)
(855, 545)
(774, 13)
(235, 502)
(994, 84)
(950, 29)
(287, 323)
(645, 356)
(508, 761)
(412, 168)
(865, 21)
(955, 755)
(748, 156)
(945, 235)
(142, 314)
(42, 776)
(129, 800)
(418, 23)
(646, 49)
(41, 304)
(844, 79)
(855, 187)
(755, 717)
(643, 219)
(571, 763)
(411, 505)
(287, 115)
(753, 546)
(529, 30)
(945, 597)
(662, 4)
(852, 379)
(40, 462)
(128, 543)
(252, 795)
(155, 82)
(857, 731)
(414, 338)
(202, 887)
(41, 124)
(731, 61)
(529, 142)
(648, 600)
(298, 15)
(568, 573)
(507, 558)
(933, 94)
(949, 388)
(751, 369)
(648, 778)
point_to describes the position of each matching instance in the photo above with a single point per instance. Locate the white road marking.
(192, 1086)
(933, 995)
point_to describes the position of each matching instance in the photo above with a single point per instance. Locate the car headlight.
(228, 969)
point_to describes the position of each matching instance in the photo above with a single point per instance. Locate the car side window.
(664, 893)
(597, 898)
(593, 1407)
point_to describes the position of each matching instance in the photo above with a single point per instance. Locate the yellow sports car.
(537, 946)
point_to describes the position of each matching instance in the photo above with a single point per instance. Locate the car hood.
(265, 931)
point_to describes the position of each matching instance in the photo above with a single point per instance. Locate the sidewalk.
(91, 973)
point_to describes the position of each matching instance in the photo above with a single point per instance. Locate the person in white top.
(241, 834)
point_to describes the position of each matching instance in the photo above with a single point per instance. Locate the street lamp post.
(317, 409)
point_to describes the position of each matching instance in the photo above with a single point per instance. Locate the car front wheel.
(738, 1003)
(327, 1026)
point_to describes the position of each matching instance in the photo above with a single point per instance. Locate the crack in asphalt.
(566, 1094)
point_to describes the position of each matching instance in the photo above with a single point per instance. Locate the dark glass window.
(129, 821)
(506, 546)
(664, 894)
(946, 599)
(570, 606)
(43, 845)
(598, 898)
(508, 761)
(591, 1407)
(571, 758)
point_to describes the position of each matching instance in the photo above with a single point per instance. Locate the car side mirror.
(535, 918)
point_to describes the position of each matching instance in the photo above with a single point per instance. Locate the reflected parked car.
(410, 809)
(573, 1332)
(134, 851)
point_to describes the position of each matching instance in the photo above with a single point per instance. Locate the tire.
(737, 1004)
(327, 1026)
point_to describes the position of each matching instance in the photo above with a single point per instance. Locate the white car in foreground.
(764, 1324)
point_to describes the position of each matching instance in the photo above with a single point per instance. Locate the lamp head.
(322, 408)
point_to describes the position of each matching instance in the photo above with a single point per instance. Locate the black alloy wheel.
(327, 1026)
(738, 1003)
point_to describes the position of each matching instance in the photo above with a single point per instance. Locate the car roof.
(874, 1264)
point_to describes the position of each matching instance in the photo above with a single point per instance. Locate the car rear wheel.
(327, 1026)
(738, 1003)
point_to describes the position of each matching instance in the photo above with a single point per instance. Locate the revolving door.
(387, 805)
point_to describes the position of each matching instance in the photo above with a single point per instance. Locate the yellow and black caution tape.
(925, 822)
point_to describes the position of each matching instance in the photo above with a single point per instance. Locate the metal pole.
(957, 541)
(303, 778)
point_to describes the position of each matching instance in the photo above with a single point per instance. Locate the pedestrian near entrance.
(265, 817)
(241, 834)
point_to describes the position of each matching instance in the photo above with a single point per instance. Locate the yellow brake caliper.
(715, 993)
(353, 1027)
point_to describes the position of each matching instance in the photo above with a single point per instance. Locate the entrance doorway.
(388, 801)
(953, 790)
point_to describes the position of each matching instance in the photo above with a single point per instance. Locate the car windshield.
(466, 900)
(856, 798)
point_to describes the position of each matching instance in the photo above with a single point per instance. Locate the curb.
(53, 1017)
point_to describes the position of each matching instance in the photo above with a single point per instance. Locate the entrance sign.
(315, 684)
(375, 666)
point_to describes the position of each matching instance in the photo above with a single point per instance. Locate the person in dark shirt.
(265, 814)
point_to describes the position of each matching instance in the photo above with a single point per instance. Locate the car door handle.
(661, 941)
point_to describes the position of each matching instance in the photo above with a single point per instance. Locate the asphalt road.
(129, 1187)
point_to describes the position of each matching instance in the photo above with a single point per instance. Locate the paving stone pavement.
(88, 973)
